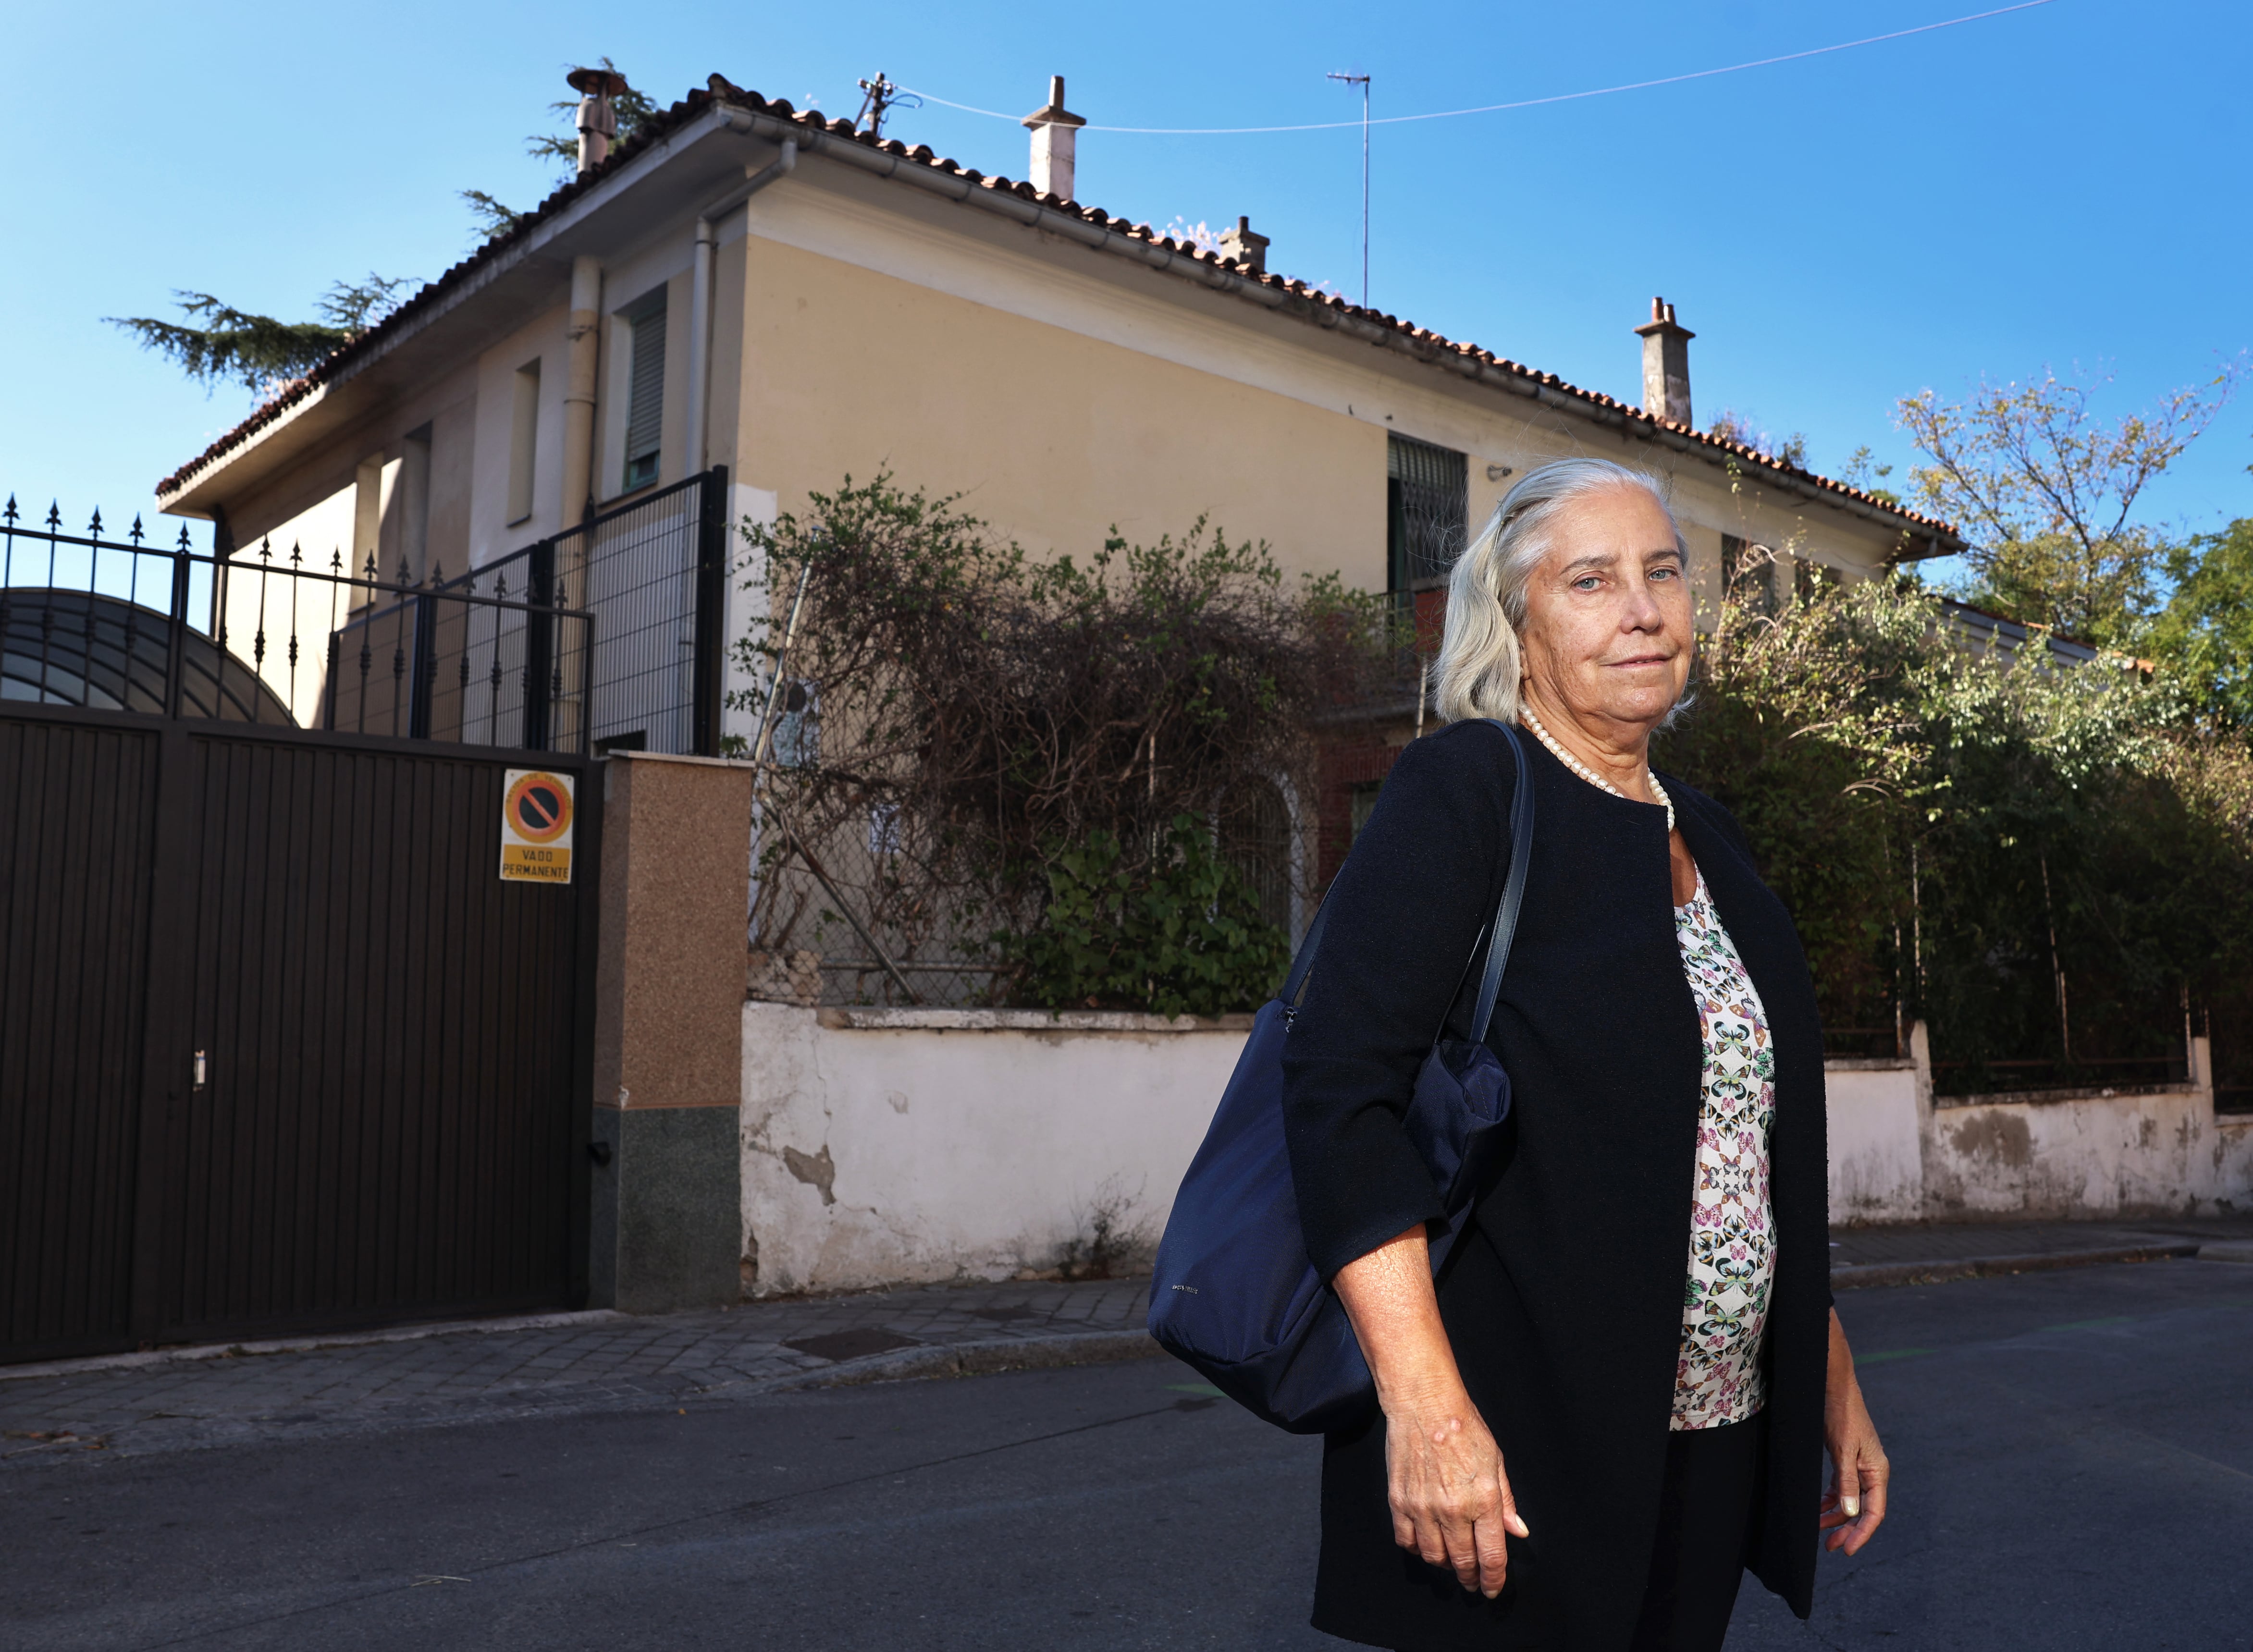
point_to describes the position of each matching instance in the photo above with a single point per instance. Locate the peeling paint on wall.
(817, 1170)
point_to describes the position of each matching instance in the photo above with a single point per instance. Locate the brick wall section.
(1348, 760)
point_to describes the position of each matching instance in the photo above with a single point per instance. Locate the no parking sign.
(535, 828)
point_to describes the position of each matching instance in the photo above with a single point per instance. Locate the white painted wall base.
(1877, 1165)
(915, 1146)
(909, 1147)
(1897, 1155)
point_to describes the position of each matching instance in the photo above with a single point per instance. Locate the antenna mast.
(880, 96)
(1361, 80)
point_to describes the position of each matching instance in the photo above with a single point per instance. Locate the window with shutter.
(1427, 490)
(645, 389)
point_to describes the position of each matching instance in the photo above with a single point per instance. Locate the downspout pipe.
(1070, 227)
(699, 297)
(584, 338)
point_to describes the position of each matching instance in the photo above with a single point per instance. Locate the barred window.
(1751, 572)
(1427, 493)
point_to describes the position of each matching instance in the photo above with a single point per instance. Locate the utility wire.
(1523, 103)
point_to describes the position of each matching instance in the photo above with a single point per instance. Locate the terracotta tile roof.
(721, 91)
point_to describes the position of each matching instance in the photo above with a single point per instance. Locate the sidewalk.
(550, 1365)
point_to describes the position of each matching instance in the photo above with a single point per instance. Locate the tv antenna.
(1362, 80)
(882, 98)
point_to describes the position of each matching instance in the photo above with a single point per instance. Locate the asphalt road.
(2075, 1455)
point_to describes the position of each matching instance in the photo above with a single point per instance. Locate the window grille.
(646, 389)
(1427, 491)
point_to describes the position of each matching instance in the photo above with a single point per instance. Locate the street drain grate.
(855, 1344)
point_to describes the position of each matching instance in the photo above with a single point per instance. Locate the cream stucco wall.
(1052, 436)
(1060, 399)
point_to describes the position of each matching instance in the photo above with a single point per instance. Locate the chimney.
(598, 120)
(1666, 365)
(1246, 245)
(1056, 131)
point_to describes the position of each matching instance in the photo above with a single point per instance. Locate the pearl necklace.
(1525, 716)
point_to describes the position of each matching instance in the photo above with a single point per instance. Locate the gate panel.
(387, 1128)
(76, 805)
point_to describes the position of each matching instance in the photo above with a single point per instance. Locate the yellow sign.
(535, 828)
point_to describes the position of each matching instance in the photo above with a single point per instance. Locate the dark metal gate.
(279, 1050)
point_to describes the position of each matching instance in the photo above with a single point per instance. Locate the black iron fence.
(655, 569)
(266, 636)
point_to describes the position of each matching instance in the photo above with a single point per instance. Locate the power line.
(1523, 103)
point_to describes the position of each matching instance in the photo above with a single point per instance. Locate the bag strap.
(1505, 926)
(1513, 892)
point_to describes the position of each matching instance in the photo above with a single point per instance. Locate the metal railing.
(112, 624)
(655, 569)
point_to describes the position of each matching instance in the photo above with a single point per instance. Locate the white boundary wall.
(909, 1147)
(899, 1146)
(1898, 1154)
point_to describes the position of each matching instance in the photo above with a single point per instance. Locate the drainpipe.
(699, 296)
(585, 338)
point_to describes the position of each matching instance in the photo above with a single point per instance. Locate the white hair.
(1480, 659)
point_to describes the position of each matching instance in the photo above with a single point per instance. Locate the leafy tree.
(495, 218)
(1064, 773)
(2204, 635)
(2047, 493)
(1732, 426)
(217, 342)
(1862, 470)
(2038, 861)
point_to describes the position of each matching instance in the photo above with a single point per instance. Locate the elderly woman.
(1614, 1398)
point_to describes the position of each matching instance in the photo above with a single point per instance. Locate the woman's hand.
(1855, 1506)
(1450, 1498)
(1450, 1495)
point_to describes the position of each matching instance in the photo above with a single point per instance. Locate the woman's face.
(1607, 635)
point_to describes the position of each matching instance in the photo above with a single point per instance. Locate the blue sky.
(2061, 185)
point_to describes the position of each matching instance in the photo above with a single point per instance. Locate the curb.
(1982, 1267)
(413, 1333)
(1048, 1352)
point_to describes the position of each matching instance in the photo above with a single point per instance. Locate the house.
(751, 287)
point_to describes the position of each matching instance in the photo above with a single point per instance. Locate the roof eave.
(553, 238)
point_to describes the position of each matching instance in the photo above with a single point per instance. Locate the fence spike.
(134, 532)
(406, 573)
(184, 545)
(297, 555)
(54, 517)
(336, 563)
(10, 513)
(370, 575)
(93, 528)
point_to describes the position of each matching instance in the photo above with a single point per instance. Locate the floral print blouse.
(1719, 1378)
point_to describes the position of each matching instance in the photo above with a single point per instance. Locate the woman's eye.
(1586, 583)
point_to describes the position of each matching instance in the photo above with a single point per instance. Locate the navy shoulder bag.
(1233, 1294)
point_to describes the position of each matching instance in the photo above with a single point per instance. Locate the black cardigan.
(1565, 1315)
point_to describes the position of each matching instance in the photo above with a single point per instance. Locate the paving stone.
(181, 1403)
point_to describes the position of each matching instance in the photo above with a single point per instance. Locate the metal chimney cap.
(597, 82)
